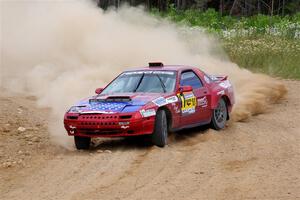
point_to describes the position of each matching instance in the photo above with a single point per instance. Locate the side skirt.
(191, 126)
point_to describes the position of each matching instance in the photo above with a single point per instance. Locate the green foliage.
(287, 26)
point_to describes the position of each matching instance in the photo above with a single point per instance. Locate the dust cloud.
(60, 51)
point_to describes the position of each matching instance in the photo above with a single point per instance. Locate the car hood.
(122, 102)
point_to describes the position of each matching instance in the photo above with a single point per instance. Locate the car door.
(194, 104)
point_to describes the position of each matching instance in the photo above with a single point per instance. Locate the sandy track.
(257, 159)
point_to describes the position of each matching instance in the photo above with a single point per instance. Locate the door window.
(190, 78)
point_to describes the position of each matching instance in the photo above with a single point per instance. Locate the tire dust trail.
(254, 159)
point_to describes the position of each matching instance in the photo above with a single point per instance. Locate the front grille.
(102, 117)
(98, 123)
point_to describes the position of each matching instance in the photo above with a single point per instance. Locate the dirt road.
(257, 159)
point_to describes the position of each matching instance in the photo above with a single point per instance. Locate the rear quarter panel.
(221, 89)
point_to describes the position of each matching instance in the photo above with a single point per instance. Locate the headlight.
(148, 112)
(74, 109)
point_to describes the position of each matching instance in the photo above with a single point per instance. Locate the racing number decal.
(188, 102)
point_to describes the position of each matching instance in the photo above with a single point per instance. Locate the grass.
(272, 55)
(259, 43)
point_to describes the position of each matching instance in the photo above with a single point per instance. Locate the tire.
(219, 115)
(160, 134)
(82, 142)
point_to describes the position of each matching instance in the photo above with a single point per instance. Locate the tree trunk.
(221, 7)
(245, 13)
(178, 4)
(283, 4)
(233, 6)
(183, 4)
(272, 8)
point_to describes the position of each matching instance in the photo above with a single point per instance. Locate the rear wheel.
(82, 142)
(219, 115)
(160, 134)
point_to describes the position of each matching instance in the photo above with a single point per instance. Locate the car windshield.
(143, 81)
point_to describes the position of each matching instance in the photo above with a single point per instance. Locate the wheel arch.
(228, 104)
(168, 115)
(216, 99)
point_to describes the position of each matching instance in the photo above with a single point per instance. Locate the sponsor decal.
(188, 111)
(96, 112)
(189, 95)
(164, 72)
(72, 131)
(148, 113)
(207, 80)
(124, 123)
(124, 127)
(137, 72)
(160, 101)
(171, 99)
(188, 102)
(202, 102)
(221, 92)
(214, 78)
(149, 72)
(176, 108)
(225, 84)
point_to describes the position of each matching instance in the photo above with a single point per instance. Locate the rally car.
(153, 101)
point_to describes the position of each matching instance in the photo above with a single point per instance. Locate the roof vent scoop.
(156, 64)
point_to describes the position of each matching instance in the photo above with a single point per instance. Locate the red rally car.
(151, 101)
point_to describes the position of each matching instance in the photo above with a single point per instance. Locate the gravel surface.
(255, 159)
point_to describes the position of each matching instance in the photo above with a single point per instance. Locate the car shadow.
(127, 143)
(144, 142)
(186, 135)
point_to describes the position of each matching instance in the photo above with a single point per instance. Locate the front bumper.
(108, 125)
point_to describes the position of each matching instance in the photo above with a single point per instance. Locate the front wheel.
(160, 134)
(219, 115)
(82, 142)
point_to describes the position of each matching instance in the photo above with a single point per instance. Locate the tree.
(231, 7)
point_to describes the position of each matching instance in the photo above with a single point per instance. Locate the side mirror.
(186, 88)
(98, 90)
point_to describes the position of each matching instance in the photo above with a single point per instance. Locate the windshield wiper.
(139, 83)
(162, 83)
